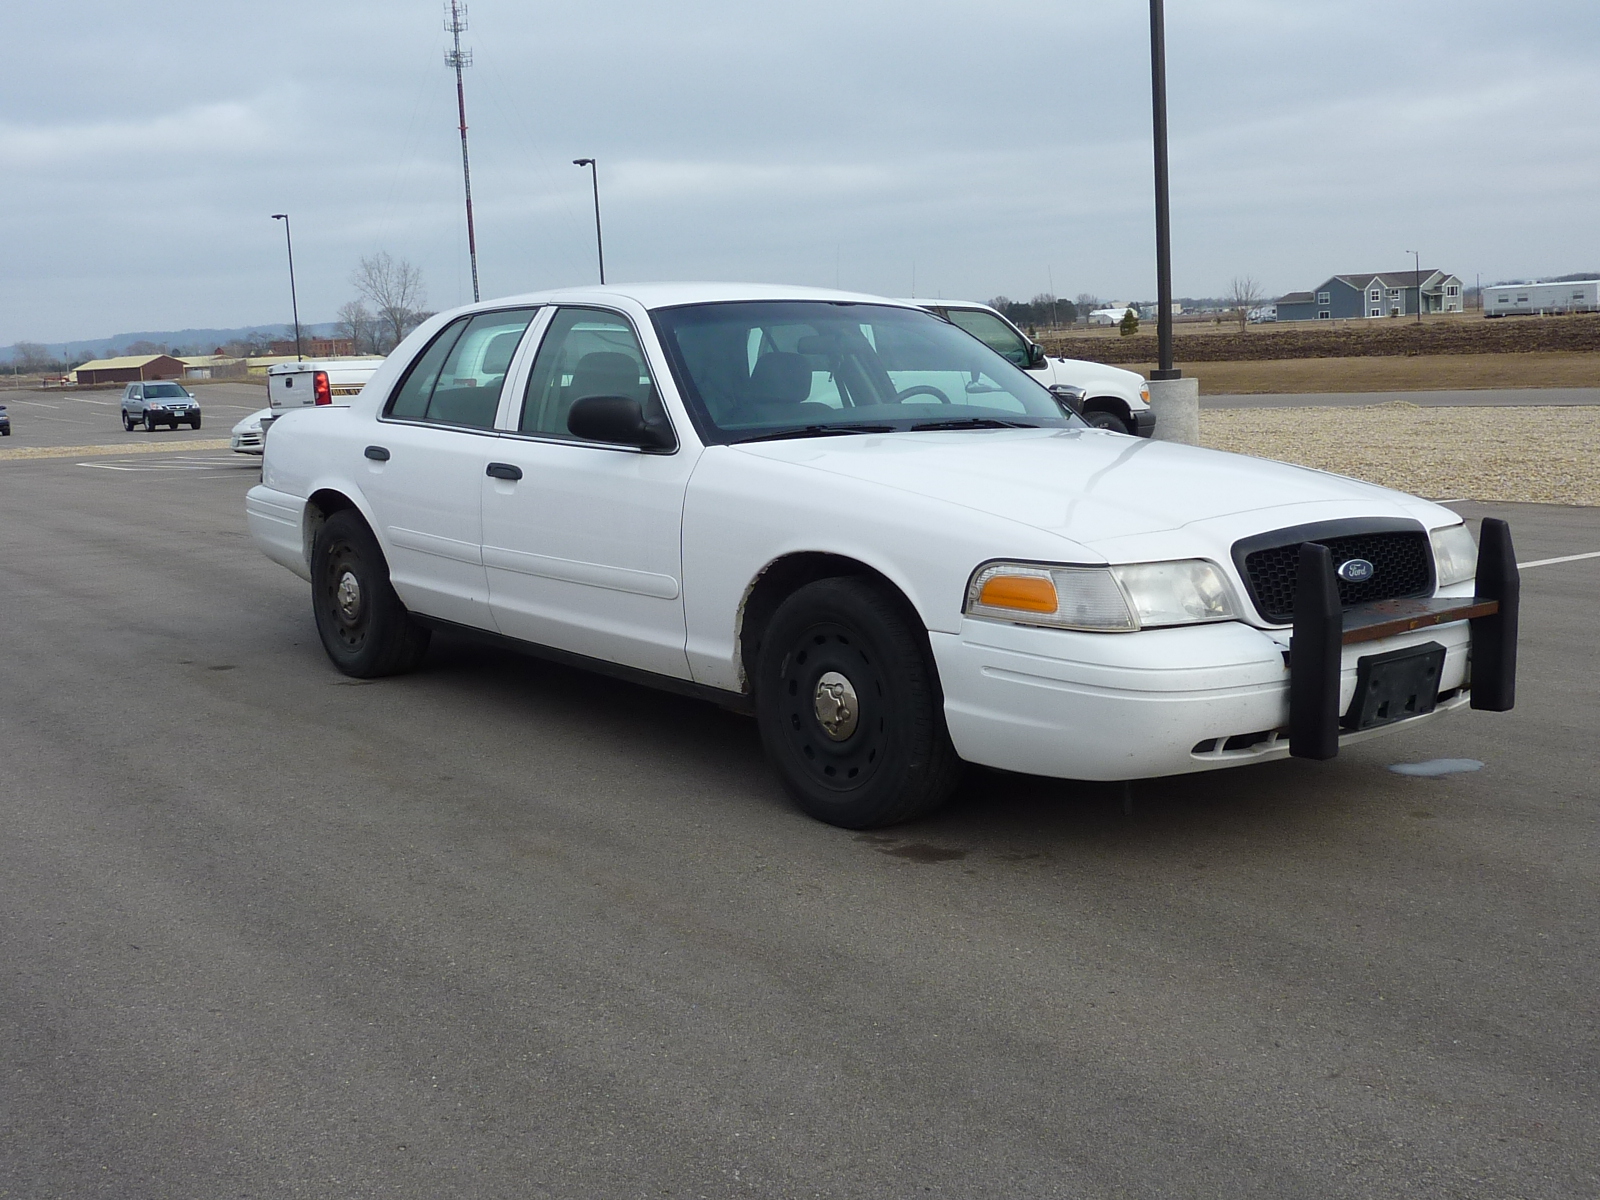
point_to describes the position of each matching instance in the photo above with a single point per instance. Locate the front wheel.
(364, 627)
(194, 423)
(149, 423)
(127, 423)
(850, 708)
(1105, 420)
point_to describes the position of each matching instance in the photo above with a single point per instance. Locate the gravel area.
(1516, 454)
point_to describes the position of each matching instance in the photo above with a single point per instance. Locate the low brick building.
(129, 369)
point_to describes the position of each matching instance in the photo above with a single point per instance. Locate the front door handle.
(377, 453)
(503, 471)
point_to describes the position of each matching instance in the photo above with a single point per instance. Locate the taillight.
(321, 392)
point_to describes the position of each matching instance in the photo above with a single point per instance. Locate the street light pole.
(1417, 258)
(1158, 96)
(599, 242)
(293, 299)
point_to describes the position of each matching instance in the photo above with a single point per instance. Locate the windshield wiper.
(801, 431)
(973, 423)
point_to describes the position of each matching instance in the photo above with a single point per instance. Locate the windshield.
(761, 369)
(160, 391)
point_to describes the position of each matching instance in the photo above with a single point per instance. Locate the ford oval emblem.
(1355, 570)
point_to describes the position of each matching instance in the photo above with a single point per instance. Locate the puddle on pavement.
(1435, 767)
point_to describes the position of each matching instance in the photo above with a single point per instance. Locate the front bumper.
(1195, 698)
(1144, 422)
(252, 441)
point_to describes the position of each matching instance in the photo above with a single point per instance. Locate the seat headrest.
(605, 373)
(497, 357)
(780, 378)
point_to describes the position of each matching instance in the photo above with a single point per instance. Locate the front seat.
(603, 373)
(780, 378)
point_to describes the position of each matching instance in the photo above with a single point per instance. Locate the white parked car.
(247, 435)
(894, 547)
(1107, 397)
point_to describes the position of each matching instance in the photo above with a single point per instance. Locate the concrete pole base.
(1176, 403)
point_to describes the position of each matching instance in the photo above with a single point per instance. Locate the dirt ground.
(1516, 454)
(1434, 372)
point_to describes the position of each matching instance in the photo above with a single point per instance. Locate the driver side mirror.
(1035, 354)
(618, 421)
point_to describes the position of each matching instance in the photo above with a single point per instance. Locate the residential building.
(1394, 293)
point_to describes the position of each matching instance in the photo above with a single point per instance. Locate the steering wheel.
(921, 389)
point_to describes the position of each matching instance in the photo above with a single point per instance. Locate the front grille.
(1402, 561)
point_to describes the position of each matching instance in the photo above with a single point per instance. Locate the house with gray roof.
(1390, 293)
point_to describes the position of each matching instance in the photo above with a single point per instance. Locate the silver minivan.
(152, 404)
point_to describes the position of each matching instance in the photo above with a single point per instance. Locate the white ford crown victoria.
(860, 523)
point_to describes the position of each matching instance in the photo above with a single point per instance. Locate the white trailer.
(1524, 299)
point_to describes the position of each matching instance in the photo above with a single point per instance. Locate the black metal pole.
(1158, 96)
(293, 299)
(1416, 257)
(599, 241)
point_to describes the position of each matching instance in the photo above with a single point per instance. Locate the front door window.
(586, 352)
(993, 333)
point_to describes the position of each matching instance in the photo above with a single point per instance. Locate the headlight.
(1455, 555)
(1102, 599)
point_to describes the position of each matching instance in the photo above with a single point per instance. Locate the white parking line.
(1550, 562)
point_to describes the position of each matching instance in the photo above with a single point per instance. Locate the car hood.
(1088, 485)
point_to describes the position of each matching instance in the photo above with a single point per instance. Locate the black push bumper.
(1144, 422)
(1322, 628)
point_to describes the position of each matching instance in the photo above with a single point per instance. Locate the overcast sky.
(960, 149)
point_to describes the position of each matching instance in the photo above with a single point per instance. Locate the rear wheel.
(850, 709)
(364, 627)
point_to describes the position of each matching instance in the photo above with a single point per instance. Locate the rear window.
(457, 379)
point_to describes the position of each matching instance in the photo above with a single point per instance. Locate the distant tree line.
(1044, 311)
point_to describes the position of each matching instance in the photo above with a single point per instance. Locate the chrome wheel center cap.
(348, 597)
(836, 706)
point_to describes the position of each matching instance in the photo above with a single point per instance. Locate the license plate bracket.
(1395, 686)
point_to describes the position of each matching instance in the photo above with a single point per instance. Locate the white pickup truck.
(1108, 397)
(303, 384)
(314, 381)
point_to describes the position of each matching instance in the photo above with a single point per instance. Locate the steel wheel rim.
(829, 664)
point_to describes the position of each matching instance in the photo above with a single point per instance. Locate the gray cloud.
(979, 149)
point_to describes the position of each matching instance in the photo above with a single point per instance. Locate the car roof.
(969, 304)
(670, 295)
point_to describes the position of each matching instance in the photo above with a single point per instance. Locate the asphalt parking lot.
(505, 929)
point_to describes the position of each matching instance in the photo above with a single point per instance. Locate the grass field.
(1432, 372)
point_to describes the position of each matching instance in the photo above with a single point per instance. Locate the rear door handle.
(377, 454)
(503, 471)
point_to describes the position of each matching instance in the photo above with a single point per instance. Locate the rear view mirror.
(619, 421)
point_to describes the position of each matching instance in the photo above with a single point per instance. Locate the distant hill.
(200, 341)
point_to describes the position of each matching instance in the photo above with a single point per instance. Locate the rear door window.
(457, 380)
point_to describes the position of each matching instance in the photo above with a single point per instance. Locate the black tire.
(894, 761)
(127, 423)
(149, 423)
(194, 423)
(1105, 420)
(366, 631)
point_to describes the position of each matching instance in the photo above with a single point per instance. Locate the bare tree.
(397, 295)
(356, 324)
(30, 357)
(1244, 294)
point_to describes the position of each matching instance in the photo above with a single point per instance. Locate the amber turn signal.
(1024, 593)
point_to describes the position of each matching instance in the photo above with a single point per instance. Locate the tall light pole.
(293, 299)
(460, 59)
(599, 243)
(1158, 96)
(1417, 258)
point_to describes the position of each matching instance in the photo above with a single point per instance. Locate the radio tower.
(455, 23)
